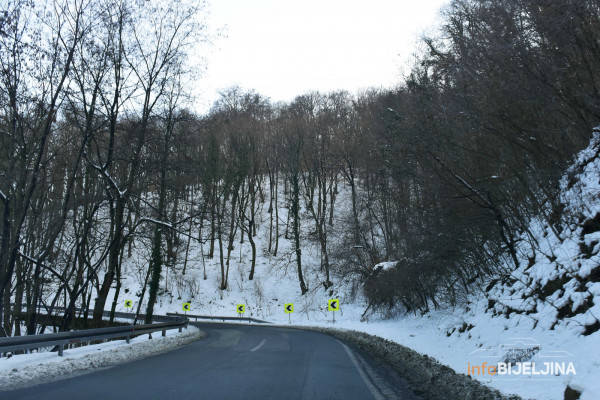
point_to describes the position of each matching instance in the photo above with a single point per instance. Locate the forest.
(100, 147)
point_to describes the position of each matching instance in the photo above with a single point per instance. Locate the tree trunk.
(232, 231)
(156, 269)
(276, 216)
(113, 308)
(113, 261)
(213, 207)
(221, 250)
(252, 227)
(295, 211)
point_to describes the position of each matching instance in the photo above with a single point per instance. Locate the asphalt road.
(235, 362)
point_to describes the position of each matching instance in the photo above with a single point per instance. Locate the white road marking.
(261, 344)
(370, 386)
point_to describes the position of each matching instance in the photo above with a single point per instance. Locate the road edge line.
(374, 391)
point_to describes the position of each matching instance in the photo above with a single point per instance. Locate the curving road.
(236, 362)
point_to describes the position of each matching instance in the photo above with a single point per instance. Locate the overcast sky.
(285, 48)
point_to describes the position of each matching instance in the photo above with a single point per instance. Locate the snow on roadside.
(33, 369)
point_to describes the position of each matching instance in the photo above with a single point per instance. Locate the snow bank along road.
(237, 362)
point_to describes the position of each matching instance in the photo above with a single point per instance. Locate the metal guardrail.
(61, 339)
(124, 315)
(216, 317)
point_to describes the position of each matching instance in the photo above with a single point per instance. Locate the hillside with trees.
(101, 152)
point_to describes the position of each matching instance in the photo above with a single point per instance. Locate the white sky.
(285, 48)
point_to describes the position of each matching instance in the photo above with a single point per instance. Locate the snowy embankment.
(36, 368)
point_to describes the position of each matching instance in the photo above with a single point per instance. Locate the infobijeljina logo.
(515, 358)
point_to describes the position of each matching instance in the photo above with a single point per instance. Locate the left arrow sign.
(333, 305)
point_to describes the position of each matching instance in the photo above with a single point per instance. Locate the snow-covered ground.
(35, 368)
(526, 318)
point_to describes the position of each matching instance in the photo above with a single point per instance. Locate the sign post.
(333, 305)
(129, 304)
(289, 309)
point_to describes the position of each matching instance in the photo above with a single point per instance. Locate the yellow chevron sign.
(333, 305)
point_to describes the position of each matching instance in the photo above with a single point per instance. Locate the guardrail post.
(128, 339)
(164, 332)
(180, 329)
(61, 348)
